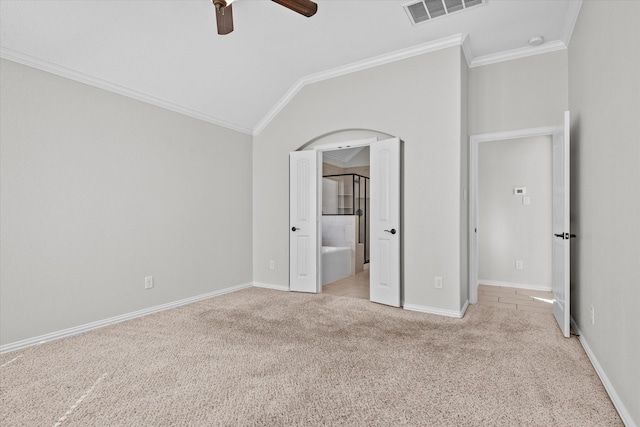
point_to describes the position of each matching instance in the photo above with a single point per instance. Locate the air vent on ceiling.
(425, 10)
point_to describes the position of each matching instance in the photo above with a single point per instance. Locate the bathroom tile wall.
(340, 230)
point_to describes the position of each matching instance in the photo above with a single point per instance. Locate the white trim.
(466, 49)
(617, 402)
(529, 286)
(513, 134)
(386, 58)
(517, 53)
(68, 73)
(332, 146)
(570, 21)
(269, 286)
(116, 319)
(438, 311)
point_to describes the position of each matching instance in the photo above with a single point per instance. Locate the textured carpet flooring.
(265, 357)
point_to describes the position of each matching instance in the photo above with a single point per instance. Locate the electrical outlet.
(272, 265)
(148, 282)
(438, 283)
(593, 316)
(519, 264)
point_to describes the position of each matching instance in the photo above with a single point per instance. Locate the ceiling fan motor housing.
(219, 4)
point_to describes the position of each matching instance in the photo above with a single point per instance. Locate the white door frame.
(474, 142)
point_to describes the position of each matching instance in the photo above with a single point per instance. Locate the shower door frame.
(353, 206)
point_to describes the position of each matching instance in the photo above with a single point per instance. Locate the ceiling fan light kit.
(224, 11)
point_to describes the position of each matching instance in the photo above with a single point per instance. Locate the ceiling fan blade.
(303, 7)
(224, 19)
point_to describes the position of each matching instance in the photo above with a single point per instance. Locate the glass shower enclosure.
(348, 194)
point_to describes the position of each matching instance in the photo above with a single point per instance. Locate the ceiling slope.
(168, 52)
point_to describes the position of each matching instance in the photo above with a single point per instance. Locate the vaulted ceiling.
(168, 52)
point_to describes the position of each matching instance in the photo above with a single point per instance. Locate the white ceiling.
(168, 52)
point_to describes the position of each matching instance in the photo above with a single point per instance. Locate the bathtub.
(336, 263)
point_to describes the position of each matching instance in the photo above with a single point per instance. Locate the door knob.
(294, 229)
(392, 231)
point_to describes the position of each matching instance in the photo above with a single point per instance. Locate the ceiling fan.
(224, 12)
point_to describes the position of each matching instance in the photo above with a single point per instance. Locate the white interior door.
(385, 222)
(561, 227)
(303, 221)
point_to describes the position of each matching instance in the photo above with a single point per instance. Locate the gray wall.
(604, 96)
(519, 94)
(508, 229)
(418, 99)
(99, 191)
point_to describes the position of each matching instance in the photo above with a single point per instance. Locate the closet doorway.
(559, 231)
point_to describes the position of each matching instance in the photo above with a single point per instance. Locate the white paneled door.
(385, 222)
(303, 221)
(561, 227)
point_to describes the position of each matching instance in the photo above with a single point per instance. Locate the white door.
(561, 227)
(385, 222)
(303, 221)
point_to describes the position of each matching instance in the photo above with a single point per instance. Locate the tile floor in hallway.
(515, 299)
(356, 286)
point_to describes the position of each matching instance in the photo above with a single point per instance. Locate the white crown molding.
(59, 70)
(397, 55)
(570, 21)
(615, 399)
(328, 157)
(117, 319)
(517, 53)
(342, 161)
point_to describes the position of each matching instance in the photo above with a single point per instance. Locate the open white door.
(561, 227)
(385, 222)
(303, 221)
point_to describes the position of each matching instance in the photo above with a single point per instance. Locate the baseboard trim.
(622, 410)
(435, 310)
(18, 345)
(269, 286)
(529, 286)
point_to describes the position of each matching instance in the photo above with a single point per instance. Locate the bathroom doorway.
(345, 222)
(385, 229)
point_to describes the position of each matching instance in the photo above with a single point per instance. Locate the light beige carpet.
(265, 357)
